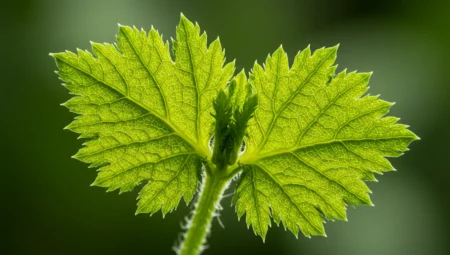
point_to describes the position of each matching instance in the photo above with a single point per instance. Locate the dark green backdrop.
(48, 207)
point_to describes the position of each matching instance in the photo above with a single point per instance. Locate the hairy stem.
(198, 228)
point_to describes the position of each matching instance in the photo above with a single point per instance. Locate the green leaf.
(312, 143)
(147, 116)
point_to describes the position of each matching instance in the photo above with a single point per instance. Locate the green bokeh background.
(48, 206)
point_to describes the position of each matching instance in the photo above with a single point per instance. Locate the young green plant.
(300, 140)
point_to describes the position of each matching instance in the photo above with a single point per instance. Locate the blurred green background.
(48, 206)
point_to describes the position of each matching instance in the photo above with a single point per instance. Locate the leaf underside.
(147, 117)
(312, 143)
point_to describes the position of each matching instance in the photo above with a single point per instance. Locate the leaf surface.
(313, 142)
(146, 115)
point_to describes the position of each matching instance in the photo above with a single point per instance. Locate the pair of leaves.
(311, 144)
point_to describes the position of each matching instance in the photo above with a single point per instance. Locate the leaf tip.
(262, 235)
(139, 210)
(184, 20)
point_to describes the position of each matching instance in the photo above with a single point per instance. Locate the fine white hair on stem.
(188, 219)
(228, 195)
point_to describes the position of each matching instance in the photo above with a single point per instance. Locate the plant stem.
(213, 187)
